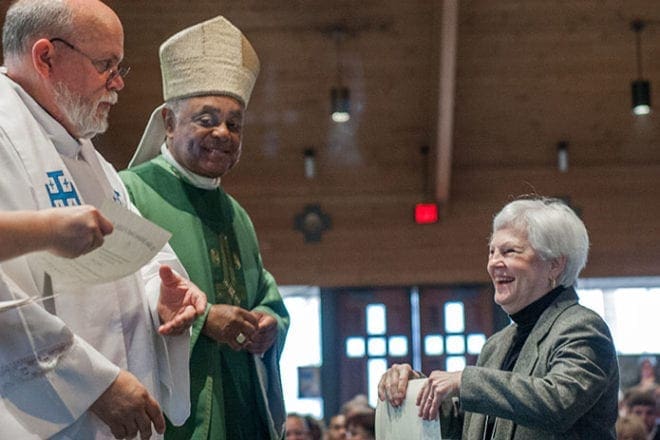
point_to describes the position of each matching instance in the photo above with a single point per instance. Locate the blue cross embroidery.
(116, 196)
(61, 190)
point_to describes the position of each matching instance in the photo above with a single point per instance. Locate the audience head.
(316, 427)
(358, 402)
(336, 428)
(361, 424)
(642, 405)
(630, 428)
(297, 427)
(647, 374)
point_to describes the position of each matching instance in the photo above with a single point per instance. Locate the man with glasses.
(98, 361)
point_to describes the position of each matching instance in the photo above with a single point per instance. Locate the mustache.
(111, 98)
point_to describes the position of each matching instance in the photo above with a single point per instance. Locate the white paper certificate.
(133, 242)
(403, 423)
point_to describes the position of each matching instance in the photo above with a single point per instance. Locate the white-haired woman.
(552, 373)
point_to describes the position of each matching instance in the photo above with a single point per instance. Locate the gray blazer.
(564, 385)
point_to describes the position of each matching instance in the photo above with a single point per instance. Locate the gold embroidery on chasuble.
(226, 265)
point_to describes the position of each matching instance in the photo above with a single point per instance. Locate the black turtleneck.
(526, 320)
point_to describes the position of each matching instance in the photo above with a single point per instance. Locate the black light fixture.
(562, 156)
(312, 222)
(310, 163)
(641, 88)
(340, 96)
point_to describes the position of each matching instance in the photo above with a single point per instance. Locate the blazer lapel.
(529, 354)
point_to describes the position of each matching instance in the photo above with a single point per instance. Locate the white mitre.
(209, 58)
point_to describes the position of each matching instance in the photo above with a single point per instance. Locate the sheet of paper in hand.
(403, 423)
(133, 242)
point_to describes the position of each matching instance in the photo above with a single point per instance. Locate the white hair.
(553, 230)
(27, 20)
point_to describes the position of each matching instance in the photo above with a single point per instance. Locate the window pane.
(593, 299)
(455, 363)
(303, 345)
(636, 326)
(433, 345)
(475, 342)
(398, 346)
(455, 344)
(376, 319)
(376, 368)
(354, 347)
(630, 312)
(454, 317)
(376, 347)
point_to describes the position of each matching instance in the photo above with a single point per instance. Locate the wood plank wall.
(530, 73)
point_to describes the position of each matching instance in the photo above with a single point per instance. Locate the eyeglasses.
(101, 66)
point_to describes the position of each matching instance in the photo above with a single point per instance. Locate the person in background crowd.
(641, 404)
(336, 428)
(98, 361)
(191, 142)
(553, 372)
(630, 428)
(356, 403)
(297, 427)
(648, 381)
(316, 428)
(361, 424)
(647, 376)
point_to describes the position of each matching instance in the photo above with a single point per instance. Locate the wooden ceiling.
(529, 74)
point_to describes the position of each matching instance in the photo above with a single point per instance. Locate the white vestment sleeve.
(173, 351)
(48, 376)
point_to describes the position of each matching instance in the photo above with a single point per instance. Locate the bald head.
(94, 20)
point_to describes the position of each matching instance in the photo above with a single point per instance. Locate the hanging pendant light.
(641, 97)
(340, 96)
(640, 88)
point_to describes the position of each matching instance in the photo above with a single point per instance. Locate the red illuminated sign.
(426, 213)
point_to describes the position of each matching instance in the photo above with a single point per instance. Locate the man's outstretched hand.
(180, 302)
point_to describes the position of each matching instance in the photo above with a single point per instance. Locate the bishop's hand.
(180, 302)
(265, 335)
(231, 325)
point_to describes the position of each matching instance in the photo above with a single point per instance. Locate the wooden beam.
(446, 97)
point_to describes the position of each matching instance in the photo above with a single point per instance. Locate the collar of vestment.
(194, 179)
(47, 151)
(65, 144)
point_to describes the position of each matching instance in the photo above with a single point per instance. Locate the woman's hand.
(439, 386)
(394, 383)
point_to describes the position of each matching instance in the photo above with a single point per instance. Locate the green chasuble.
(234, 395)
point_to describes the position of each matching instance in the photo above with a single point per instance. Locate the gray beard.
(81, 113)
